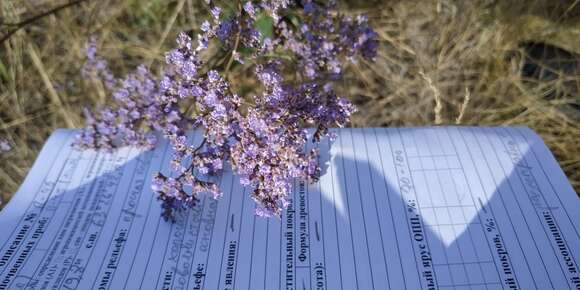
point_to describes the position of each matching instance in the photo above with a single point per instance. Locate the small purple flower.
(5, 146)
(205, 26)
(249, 8)
(215, 12)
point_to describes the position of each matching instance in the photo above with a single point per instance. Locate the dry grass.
(440, 62)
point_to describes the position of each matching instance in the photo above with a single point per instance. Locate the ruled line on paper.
(406, 208)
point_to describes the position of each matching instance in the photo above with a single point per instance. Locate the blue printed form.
(409, 208)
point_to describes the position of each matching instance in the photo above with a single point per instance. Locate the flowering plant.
(262, 136)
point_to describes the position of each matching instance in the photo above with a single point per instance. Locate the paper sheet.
(413, 208)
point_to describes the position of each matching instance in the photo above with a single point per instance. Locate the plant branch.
(236, 44)
(24, 23)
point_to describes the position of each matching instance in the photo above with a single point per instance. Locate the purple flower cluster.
(323, 41)
(136, 114)
(260, 135)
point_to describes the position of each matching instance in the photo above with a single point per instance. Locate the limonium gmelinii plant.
(261, 135)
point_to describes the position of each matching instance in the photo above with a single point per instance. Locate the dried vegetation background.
(440, 62)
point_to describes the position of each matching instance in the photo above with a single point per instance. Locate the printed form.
(409, 208)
